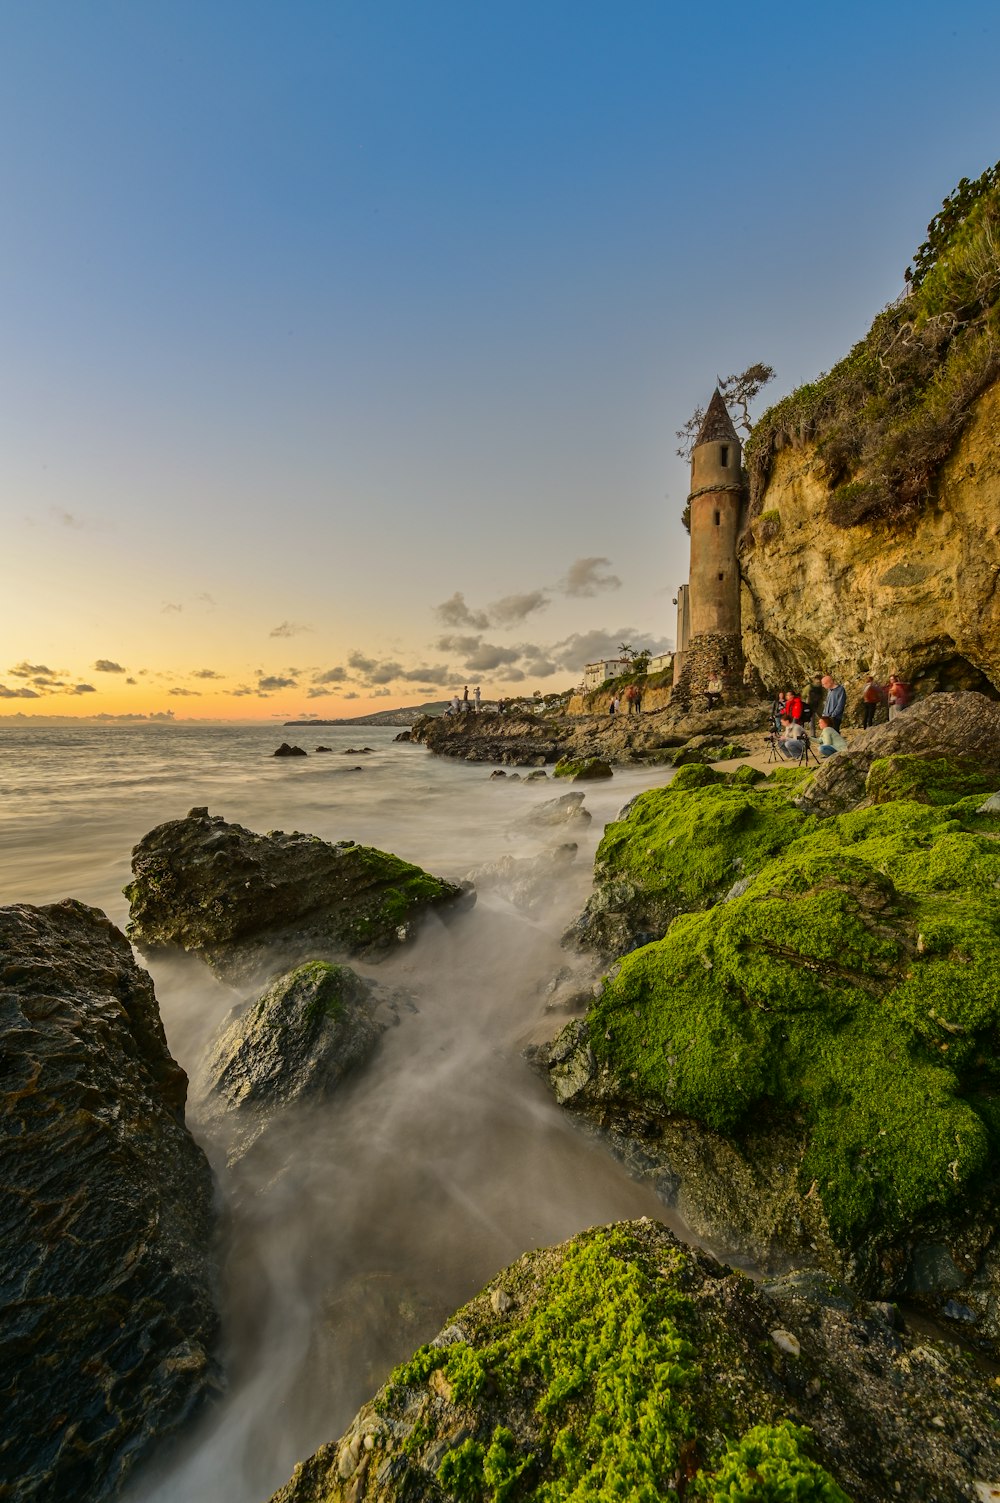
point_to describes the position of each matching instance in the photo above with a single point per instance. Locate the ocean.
(442, 1161)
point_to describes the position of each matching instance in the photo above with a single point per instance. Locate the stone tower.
(714, 647)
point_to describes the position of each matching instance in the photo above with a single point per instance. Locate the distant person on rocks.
(793, 738)
(871, 698)
(777, 710)
(465, 699)
(613, 706)
(476, 697)
(816, 696)
(638, 699)
(713, 692)
(899, 696)
(830, 739)
(835, 702)
(453, 707)
(630, 699)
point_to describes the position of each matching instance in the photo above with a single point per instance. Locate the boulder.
(324, 749)
(284, 750)
(108, 1320)
(525, 881)
(291, 1047)
(555, 812)
(963, 727)
(813, 1060)
(582, 769)
(249, 903)
(623, 1364)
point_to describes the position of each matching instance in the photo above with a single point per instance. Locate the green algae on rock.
(293, 1046)
(108, 1321)
(247, 902)
(621, 1365)
(582, 769)
(845, 994)
(679, 848)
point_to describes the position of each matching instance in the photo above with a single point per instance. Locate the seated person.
(713, 692)
(830, 739)
(793, 738)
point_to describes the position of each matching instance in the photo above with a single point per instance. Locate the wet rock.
(292, 1047)
(527, 882)
(991, 805)
(357, 751)
(568, 809)
(650, 1362)
(403, 736)
(324, 748)
(539, 775)
(253, 904)
(499, 773)
(582, 769)
(961, 726)
(284, 750)
(108, 1319)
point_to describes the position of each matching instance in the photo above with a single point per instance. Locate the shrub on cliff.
(887, 416)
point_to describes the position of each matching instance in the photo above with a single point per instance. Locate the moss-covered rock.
(623, 1366)
(292, 1047)
(582, 769)
(679, 848)
(925, 780)
(247, 902)
(846, 993)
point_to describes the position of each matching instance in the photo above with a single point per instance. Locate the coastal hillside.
(873, 532)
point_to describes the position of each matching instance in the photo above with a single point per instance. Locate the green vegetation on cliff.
(850, 986)
(887, 416)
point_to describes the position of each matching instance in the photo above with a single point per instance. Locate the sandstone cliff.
(919, 597)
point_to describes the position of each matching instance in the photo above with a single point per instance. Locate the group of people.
(458, 707)
(821, 709)
(632, 698)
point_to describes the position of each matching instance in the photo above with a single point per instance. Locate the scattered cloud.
(488, 656)
(67, 518)
(241, 692)
(588, 576)
(105, 665)
(289, 629)
(31, 670)
(331, 676)
(351, 694)
(319, 693)
(270, 682)
(455, 612)
(186, 693)
(205, 600)
(374, 671)
(19, 693)
(171, 605)
(206, 673)
(515, 608)
(588, 647)
(462, 645)
(380, 693)
(162, 715)
(82, 689)
(425, 675)
(131, 681)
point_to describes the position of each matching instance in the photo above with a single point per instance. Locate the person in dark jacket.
(817, 694)
(835, 702)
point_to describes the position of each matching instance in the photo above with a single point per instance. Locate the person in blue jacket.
(835, 702)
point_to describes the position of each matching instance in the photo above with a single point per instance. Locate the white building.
(594, 674)
(661, 661)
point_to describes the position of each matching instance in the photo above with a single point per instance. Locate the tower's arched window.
(718, 518)
(722, 576)
(724, 456)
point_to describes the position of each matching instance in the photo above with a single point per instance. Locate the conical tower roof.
(717, 426)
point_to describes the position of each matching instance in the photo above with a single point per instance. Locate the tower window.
(722, 576)
(718, 518)
(724, 455)
(725, 661)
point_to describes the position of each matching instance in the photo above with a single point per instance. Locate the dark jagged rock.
(284, 750)
(108, 1318)
(324, 748)
(248, 903)
(403, 736)
(292, 1047)
(357, 751)
(624, 1365)
(961, 727)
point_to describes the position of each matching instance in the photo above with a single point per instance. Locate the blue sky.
(317, 314)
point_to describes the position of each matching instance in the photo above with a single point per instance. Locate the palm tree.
(626, 651)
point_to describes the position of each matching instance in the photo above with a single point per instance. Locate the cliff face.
(920, 596)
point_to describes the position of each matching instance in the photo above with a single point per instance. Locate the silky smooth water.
(367, 1223)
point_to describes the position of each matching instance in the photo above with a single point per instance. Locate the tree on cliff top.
(737, 391)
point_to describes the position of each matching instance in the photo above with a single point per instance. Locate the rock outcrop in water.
(623, 1365)
(292, 1047)
(247, 902)
(810, 1064)
(108, 1316)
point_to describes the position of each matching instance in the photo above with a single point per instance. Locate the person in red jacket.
(792, 709)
